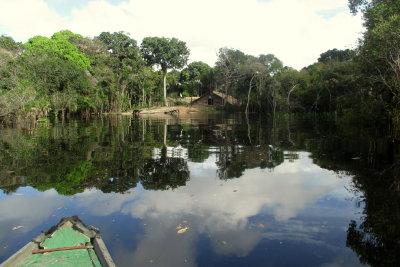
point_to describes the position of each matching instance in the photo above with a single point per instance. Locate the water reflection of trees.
(376, 239)
(114, 154)
(164, 173)
(373, 160)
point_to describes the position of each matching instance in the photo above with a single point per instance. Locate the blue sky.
(64, 7)
(296, 31)
(329, 13)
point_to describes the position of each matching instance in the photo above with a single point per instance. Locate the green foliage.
(120, 45)
(270, 61)
(15, 101)
(71, 74)
(338, 55)
(124, 63)
(90, 47)
(164, 52)
(10, 45)
(196, 79)
(378, 55)
(58, 45)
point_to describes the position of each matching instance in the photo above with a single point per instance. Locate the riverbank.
(171, 110)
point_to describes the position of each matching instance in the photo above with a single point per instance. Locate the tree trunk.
(143, 95)
(226, 93)
(248, 95)
(165, 134)
(62, 116)
(165, 86)
(288, 97)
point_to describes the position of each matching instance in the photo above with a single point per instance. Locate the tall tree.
(125, 61)
(270, 61)
(229, 67)
(196, 78)
(338, 55)
(58, 45)
(166, 53)
(379, 53)
(10, 45)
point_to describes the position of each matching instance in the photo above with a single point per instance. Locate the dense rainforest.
(72, 74)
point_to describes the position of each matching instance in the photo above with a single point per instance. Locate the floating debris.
(17, 227)
(181, 231)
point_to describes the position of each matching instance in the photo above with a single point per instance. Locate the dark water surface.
(215, 190)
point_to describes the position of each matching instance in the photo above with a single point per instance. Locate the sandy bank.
(170, 109)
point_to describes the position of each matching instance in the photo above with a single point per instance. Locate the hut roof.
(229, 99)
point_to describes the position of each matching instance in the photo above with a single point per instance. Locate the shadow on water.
(121, 155)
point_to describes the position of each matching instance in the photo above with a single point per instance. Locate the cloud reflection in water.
(221, 210)
(290, 203)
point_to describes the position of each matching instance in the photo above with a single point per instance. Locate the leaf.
(72, 197)
(61, 207)
(181, 231)
(261, 225)
(16, 227)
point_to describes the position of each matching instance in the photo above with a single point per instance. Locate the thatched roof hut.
(215, 98)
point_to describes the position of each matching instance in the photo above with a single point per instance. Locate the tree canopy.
(58, 45)
(69, 73)
(166, 53)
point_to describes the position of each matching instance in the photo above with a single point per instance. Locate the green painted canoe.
(69, 243)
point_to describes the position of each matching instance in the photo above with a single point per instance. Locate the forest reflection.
(116, 154)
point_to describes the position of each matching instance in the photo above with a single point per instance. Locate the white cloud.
(286, 191)
(291, 29)
(27, 211)
(221, 210)
(23, 19)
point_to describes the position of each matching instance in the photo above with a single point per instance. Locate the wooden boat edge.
(100, 248)
(21, 255)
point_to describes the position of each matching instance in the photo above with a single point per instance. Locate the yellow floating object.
(181, 231)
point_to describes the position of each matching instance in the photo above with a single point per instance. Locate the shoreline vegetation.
(68, 74)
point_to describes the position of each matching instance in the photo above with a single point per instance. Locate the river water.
(206, 190)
